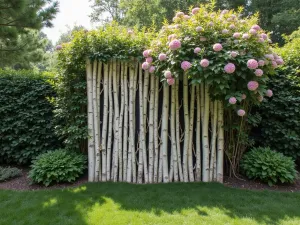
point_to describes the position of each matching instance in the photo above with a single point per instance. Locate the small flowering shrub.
(268, 166)
(57, 166)
(230, 54)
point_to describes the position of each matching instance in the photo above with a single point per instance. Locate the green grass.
(110, 203)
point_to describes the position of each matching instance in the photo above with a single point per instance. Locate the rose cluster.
(242, 52)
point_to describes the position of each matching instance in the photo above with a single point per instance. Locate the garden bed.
(23, 183)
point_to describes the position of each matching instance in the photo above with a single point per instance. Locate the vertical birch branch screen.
(143, 131)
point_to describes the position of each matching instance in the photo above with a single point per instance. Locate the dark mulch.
(23, 183)
(244, 183)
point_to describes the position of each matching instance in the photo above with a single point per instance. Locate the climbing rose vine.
(231, 54)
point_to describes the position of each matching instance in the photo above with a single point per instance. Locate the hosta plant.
(268, 166)
(57, 166)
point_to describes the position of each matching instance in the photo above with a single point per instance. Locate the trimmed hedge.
(26, 124)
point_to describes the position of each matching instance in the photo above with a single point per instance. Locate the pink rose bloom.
(270, 56)
(168, 74)
(186, 17)
(231, 26)
(261, 62)
(252, 85)
(199, 29)
(234, 54)
(146, 53)
(171, 37)
(252, 31)
(261, 40)
(162, 57)
(225, 31)
(151, 69)
(274, 64)
(185, 65)
(149, 60)
(279, 61)
(195, 10)
(197, 50)
(259, 72)
(245, 36)
(176, 26)
(210, 24)
(175, 44)
(224, 11)
(145, 66)
(217, 47)
(236, 35)
(244, 96)
(232, 100)
(229, 68)
(204, 63)
(175, 18)
(260, 98)
(269, 93)
(58, 47)
(233, 17)
(130, 32)
(179, 14)
(252, 64)
(255, 27)
(203, 39)
(264, 36)
(241, 112)
(171, 81)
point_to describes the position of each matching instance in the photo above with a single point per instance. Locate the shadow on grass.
(78, 205)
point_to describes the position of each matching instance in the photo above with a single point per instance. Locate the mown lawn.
(111, 203)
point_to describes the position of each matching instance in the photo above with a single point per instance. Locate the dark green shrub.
(7, 173)
(268, 166)
(280, 126)
(26, 124)
(57, 166)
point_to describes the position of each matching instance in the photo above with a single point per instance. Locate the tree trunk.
(104, 124)
(91, 139)
(178, 136)
(198, 135)
(151, 128)
(220, 154)
(174, 157)
(205, 137)
(191, 131)
(155, 136)
(164, 134)
(125, 127)
(186, 128)
(110, 122)
(213, 140)
(96, 123)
